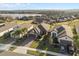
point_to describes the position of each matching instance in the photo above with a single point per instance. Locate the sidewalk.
(23, 50)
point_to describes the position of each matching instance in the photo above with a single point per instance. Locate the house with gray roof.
(37, 31)
(62, 36)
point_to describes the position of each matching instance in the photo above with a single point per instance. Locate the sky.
(37, 6)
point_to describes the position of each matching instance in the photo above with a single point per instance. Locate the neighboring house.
(37, 20)
(37, 31)
(46, 26)
(60, 19)
(62, 36)
(17, 27)
(57, 31)
(66, 44)
(7, 28)
(50, 21)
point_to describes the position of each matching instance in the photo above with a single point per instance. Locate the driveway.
(28, 41)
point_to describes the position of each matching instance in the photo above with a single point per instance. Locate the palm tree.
(17, 34)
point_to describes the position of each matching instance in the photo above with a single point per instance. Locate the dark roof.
(60, 28)
(41, 28)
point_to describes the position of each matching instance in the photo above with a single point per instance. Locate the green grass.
(76, 37)
(22, 22)
(34, 44)
(54, 49)
(2, 40)
(5, 37)
(12, 48)
(36, 53)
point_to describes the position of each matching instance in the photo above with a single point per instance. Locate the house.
(37, 31)
(37, 20)
(62, 37)
(66, 44)
(17, 27)
(60, 19)
(46, 26)
(7, 27)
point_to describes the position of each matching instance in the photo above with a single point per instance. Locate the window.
(53, 34)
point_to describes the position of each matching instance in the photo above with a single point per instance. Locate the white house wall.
(2, 33)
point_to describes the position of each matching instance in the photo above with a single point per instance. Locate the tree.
(17, 33)
(24, 31)
(6, 35)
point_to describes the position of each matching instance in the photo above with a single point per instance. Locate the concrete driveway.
(27, 42)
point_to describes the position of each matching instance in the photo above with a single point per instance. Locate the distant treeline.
(47, 12)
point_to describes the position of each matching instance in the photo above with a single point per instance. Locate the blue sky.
(27, 6)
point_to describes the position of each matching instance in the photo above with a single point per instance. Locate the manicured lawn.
(69, 23)
(34, 44)
(76, 37)
(2, 40)
(12, 48)
(36, 53)
(21, 21)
